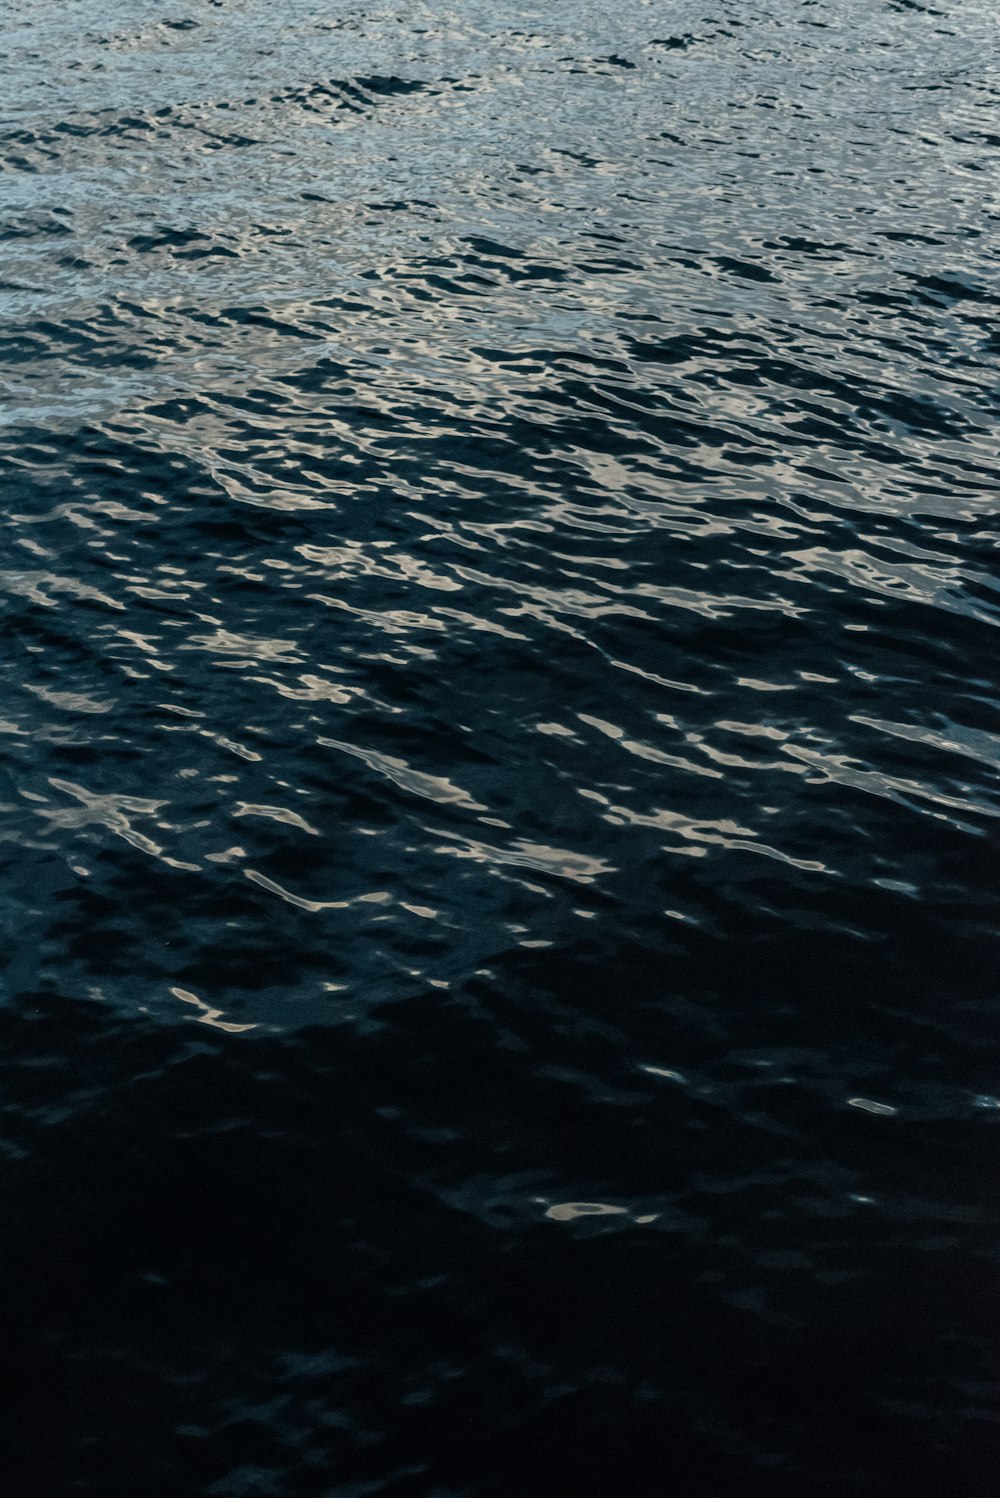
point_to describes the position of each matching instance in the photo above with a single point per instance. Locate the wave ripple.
(499, 746)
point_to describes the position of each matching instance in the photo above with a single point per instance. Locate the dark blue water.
(499, 730)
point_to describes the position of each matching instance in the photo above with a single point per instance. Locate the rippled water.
(499, 748)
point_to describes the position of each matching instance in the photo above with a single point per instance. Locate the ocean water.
(498, 749)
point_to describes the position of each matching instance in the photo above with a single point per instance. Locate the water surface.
(498, 715)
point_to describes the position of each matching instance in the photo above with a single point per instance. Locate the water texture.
(498, 748)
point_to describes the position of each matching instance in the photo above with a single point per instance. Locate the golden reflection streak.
(276, 814)
(210, 1016)
(431, 787)
(373, 897)
(560, 861)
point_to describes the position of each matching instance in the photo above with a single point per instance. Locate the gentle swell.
(499, 746)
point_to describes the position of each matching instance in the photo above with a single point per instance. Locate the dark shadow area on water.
(320, 1263)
